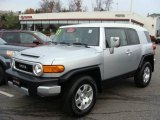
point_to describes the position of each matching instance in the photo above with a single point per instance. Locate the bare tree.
(29, 11)
(78, 4)
(50, 6)
(108, 4)
(58, 6)
(102, 5)
(44, 6)
(71, 6)
(75, 5)
(98, 6)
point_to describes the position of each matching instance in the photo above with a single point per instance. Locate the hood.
(12, 47)
(5, 48)
(47, 54)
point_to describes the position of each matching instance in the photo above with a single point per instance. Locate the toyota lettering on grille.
(22, 66)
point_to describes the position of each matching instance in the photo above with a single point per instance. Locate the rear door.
(134, 47)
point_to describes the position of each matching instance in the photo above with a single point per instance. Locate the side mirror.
(114, 42)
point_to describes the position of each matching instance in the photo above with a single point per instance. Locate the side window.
(11, 37)
(147, 36)
(133, 38)
(115, 32)
(27, 38)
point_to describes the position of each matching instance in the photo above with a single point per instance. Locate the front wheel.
(2, 76)
(80, 96)
(143, 76)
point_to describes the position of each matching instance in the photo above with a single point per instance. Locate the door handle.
(128, 52)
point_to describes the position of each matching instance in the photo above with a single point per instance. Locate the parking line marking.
(6, 94)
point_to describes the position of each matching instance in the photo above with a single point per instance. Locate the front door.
(118, 62)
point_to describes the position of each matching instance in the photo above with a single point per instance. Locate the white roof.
(115, 25)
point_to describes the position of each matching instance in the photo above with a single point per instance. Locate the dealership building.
(52, 21)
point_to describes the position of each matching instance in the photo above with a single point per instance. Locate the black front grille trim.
(23, 67)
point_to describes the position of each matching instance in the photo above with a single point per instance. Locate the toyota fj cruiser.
(80, 59)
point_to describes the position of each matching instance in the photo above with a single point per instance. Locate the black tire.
(143, 76)
(2, 76)
(70, 96)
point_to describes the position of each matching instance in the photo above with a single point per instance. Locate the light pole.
(117, 6)
(131, 5)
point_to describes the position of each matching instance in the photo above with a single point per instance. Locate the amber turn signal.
(53, 68)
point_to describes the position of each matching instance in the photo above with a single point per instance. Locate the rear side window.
(115, 32)
(147, 36)
(133, 38)
(11, 37)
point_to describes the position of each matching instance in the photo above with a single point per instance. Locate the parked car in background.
(13, 41)
(6, 52)
(157, 39)
(52, 37)
(153, 39)
(24, 38)
(2, 42)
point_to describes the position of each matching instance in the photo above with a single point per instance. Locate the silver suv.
(80, 59)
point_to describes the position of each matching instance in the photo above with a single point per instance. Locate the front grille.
(23, 67)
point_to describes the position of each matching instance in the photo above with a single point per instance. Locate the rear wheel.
(80, 96)
(143, 76)
(2, 76)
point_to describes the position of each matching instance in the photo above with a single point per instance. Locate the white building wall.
(158, 25)
(150, 23)
(74, 15)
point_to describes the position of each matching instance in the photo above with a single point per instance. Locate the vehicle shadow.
(52, 107)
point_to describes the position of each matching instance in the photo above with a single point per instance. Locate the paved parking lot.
(120, 100)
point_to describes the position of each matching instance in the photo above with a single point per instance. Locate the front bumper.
(7, 61)
(31, 85)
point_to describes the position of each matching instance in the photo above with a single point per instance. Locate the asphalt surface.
(120, 100)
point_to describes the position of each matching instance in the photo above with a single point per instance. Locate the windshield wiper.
(63, 43)
(80, 44)
(60, 43)
(55, 43)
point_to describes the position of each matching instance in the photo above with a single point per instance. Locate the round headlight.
(38, 69)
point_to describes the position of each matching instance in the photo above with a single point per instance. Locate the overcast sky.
(142, 7)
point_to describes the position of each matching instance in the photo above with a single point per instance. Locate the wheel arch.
(3, 64)
(149, 58)
(92, 71)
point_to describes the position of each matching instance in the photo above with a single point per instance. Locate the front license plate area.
(16, 82)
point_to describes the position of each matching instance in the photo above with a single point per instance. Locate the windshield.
(42, 36)
(83, 35)
(2, 42)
